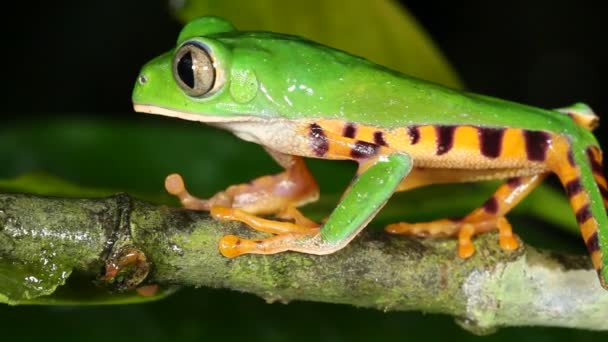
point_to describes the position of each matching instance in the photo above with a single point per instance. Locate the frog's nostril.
(142, 79)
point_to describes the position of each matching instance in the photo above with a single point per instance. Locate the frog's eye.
(193, 70)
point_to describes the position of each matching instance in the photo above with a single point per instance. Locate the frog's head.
(217, 74)
(189, 81)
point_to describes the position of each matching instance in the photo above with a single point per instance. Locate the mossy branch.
(51, 237)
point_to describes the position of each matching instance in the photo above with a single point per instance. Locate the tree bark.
(50, 238)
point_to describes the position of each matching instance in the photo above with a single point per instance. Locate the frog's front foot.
(242, 202)
(288, 234)
(267, 195)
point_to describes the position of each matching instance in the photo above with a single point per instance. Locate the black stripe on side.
(490, 141)
(318, 140)
(350, 130)
(445, 138)
(414, 134)
(537, 144)
(379, 138)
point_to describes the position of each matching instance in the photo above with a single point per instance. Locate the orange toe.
(174, 184)
(508, 243)
(231, 246)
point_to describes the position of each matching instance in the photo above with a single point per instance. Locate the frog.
(301, 99)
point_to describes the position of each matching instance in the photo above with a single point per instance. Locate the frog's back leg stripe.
(595, 159)
(414, 133)
(582, 181)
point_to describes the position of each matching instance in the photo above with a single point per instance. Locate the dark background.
(76, 57)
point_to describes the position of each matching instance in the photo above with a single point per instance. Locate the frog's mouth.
(200, 117)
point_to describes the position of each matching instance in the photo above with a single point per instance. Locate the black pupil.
(184, 69)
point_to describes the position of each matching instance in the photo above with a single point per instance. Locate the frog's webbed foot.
(287, 233)
(490, 216)
(233, 246)
(463, 229)
(277, 195)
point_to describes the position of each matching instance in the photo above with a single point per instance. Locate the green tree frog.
(298, 99)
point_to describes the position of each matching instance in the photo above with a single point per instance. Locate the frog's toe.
(174, 184)
(507, 240)
(232, 246)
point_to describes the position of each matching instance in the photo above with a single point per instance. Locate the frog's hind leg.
(580, 170)
(278, 194)
(489, 216)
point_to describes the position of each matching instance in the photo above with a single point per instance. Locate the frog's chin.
(201, 117)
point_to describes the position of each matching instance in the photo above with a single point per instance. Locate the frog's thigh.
(272, 194)
(489, 216)
(369, 191)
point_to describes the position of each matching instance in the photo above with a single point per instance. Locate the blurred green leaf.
(379, 30)
(41, 183)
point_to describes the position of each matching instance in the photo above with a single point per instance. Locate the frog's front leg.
(371, 188)
(490, 215)
(378, 176)
(273, 194)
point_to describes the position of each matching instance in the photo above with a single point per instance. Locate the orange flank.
(466, 138)
(513, 145)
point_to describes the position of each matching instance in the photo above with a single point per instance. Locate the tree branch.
(51, 237)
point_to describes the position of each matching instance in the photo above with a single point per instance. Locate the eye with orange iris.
(193, 70)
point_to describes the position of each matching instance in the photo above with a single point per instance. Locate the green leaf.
(381, 30)
(42, 183)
